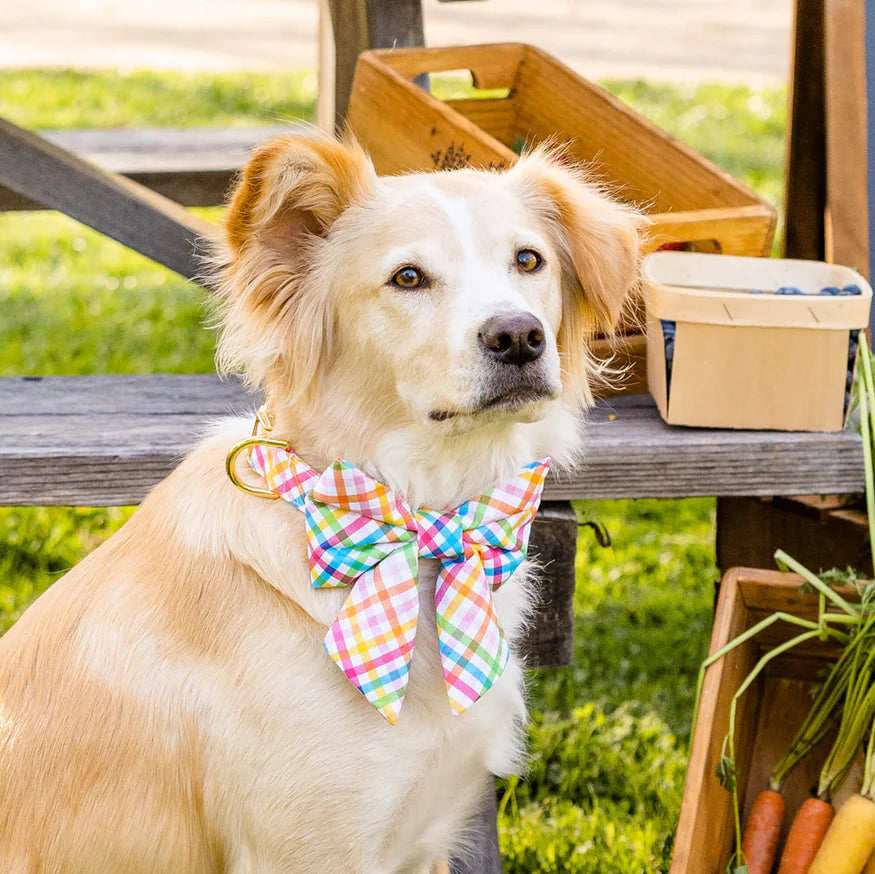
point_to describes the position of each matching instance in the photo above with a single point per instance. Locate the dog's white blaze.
(483, 288)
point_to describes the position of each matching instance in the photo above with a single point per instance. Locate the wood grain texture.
(626, 355)
(191, 166)
(846, 224)
(152, 225)
(749, 530)
(805, 173)
(603, 131)
(94, 441)
(735, 230)
(549, 640)
(405, 128)
(368, 24)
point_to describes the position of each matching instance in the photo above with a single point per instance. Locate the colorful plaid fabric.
(362, 534)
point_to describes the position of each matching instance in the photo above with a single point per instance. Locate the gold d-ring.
(231, 459)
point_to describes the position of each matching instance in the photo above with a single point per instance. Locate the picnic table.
(106, 440)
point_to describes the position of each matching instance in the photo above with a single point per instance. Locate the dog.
(167, 706)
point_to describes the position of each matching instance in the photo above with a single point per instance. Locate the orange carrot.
(806, 835)
(762, 832)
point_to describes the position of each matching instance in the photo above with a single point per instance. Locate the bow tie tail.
(371, 640)
(473, 648)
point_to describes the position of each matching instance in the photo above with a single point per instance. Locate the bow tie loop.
(439, 535)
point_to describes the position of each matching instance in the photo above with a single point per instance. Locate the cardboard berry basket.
(768, 716)
(529, 97)
(735, 342)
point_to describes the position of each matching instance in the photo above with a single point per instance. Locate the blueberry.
(830, 290)
(851, 289)
(789, 289)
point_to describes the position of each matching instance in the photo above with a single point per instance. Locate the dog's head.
(454, 300)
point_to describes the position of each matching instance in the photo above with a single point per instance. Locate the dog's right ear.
(275, 318)
(295, 187)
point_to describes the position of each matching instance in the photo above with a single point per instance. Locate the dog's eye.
(408, 277)
(528, 260)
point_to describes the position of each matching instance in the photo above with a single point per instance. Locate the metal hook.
(602, 536)
(231, 459)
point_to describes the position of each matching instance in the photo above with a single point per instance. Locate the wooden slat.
(495, 116)
(152, 225)
(194, 166)
(108, 439)
(736, 230)
(368, 24)
(656, 168)
(806, 138)
(846, 226)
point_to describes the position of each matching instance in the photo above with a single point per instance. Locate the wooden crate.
(691, 202)
(768, 716)
(403, 127)
(820, 531)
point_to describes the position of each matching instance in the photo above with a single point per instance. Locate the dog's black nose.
(513, 338)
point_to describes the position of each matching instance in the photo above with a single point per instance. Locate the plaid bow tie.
(361, 534)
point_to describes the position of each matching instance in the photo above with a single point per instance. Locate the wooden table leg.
(368, 24)
(549, 640)
(483, 855)
(805, 177)
(819, 531)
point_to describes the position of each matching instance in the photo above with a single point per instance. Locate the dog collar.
(362, 534)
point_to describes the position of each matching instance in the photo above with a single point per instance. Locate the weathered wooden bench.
(193, 166)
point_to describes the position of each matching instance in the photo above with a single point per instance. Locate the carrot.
(806, 835)
(850, 839)
(762, 832)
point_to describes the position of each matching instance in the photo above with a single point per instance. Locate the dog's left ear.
(598, 239)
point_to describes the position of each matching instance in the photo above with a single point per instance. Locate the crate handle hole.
(712, 247)
(461, 84)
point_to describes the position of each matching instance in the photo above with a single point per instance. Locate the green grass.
(77, 99)
(609, 736)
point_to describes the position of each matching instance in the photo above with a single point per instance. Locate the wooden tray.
(689, 199)
(768, 716)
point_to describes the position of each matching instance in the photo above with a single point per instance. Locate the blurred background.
(732, 41)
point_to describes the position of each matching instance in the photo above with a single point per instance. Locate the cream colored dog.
(167, 707)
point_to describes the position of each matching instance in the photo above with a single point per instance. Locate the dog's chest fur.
(305, 765)
(322, 770)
